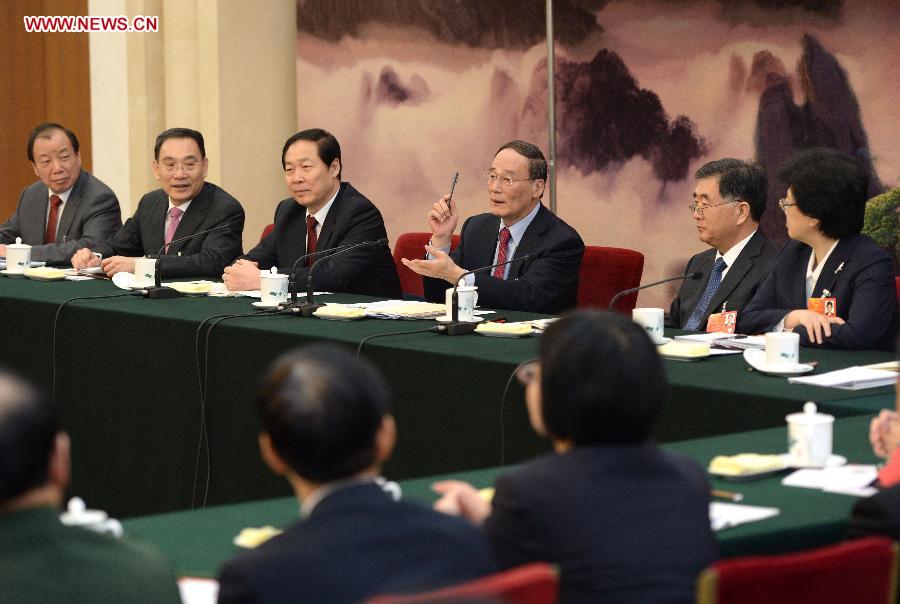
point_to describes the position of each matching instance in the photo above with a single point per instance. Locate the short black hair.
(831, 186)
(179, 133)
(322, 408)
(328, 147)
(537, 165)
(41, 131)
(739, 180)
(602, 381)
(28, 428)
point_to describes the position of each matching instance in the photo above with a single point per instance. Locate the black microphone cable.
(502, 407)
(203, 380)
(56, 322)
(433, 328)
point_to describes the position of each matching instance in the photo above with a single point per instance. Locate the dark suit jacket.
(623, 523)
(858, 273)
(358, 543)
(203, 256)
(876, 515)
(46, 561)
(545, 283)
(90, 216)
(351, 219)
(737, 288)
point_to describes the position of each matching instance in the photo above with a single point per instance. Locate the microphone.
(694, 275)
(292, 277)
(457, 327)
(307, 308)
(158, 291)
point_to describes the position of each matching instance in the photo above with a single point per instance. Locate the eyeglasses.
(783, 203)
(505, 181)
(171, 167)
(528, 371)
(699, 208)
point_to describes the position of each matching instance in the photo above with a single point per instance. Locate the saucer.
(446, 319)
(757, 359)
(259, 304)
(6, 273)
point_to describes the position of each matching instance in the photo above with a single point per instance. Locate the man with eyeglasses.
(517, 225)
(68, 208)
(186, 204)
(728, 202)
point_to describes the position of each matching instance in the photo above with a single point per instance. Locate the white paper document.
(198, 591)
(725, 515)
(851, 378)
(852, 479)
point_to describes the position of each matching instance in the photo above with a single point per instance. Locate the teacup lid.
(273, 273)
(810, 415)
(78, 515)
(18, 244)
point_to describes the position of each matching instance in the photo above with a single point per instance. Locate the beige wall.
(226, 68)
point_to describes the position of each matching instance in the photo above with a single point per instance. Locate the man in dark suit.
(827, 259)
(44, 560)
(518, 225)
(68, 208)
(728, 202)
(186, 204)
(322, 214)
(624, 520)
(326, 426)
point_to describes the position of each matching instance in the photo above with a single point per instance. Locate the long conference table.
(198, 541)
(124, 373)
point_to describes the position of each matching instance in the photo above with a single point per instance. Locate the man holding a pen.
(517, 225)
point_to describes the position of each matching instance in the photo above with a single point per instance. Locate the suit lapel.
(695, 287)
(798, 287)
(830, 273)
(742, 265)
(484, 244)
(192, 219)
(326, 234)
(156, 224)
(530, 241)
(71, 206)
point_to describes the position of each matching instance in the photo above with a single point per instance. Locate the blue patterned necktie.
(715, 277)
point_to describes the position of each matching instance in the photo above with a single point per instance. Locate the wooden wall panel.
(45, 77)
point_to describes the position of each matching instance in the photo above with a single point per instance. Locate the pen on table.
(729, 495)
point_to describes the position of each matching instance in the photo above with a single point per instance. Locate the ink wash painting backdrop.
(646, 92)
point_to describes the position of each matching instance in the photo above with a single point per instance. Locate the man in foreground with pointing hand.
(517, 225)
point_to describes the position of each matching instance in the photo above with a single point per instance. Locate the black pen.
(452, 188)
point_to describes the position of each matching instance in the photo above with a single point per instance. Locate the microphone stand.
(307, 308)
(158, 291)
(456, 327)
(612, 303)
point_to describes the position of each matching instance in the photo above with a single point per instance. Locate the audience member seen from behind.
(623, 519)
(326, 427)
(828, 260)
(880, 513)
(42, 560)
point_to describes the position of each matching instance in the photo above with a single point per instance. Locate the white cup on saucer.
(467, 298)
(273, 288)
(144, 272)
(18, 257)
(810, 436)
(651, 319)
(98, 521)
(782, 348)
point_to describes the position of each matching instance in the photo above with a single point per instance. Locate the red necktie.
(502, 248)
(312, 241)
(50, 233)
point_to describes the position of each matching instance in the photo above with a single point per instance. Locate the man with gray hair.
(728, 202)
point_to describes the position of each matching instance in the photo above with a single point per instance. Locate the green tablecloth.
(198, 541)
(128, 390)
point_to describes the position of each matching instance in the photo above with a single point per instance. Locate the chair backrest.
(266, 231)
(864, 570)
(412, 245)
(536, 583)
(605, 271)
